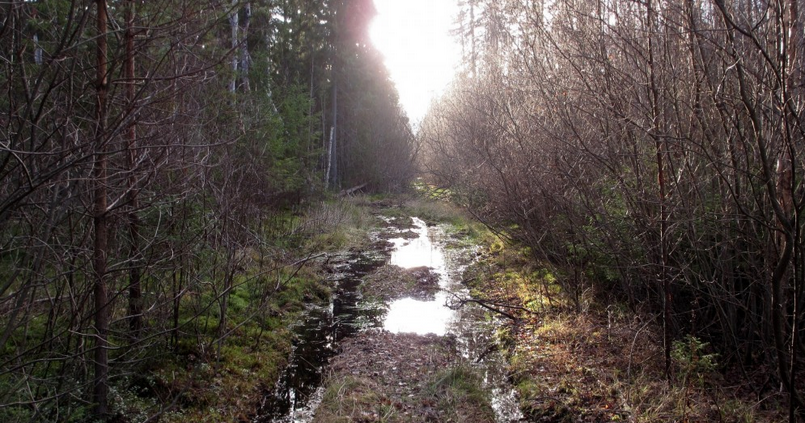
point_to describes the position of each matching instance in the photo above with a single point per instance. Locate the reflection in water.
(298, 392)
(317, 334)
(420, 317)
(472, 330)
(419, 251)
(415, 316)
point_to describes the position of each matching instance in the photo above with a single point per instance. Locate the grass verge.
(209, 373)
(604, 363)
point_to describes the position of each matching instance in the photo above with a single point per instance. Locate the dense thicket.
(652, 152)
(144, 147)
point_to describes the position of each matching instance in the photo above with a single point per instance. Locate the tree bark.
(101, 224)
(135, 289)
(234, 27)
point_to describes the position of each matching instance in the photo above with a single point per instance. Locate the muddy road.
(393, 345)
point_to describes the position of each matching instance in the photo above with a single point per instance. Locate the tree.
(130, 211)
(646, 152)
(101, 224)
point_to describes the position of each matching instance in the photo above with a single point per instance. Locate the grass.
(204, 379)
(460, 397)
(334, 225)
(452, 395)
(605, 363)
(354, 399)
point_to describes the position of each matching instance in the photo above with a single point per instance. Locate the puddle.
(409, 315)
(420, 317)
(469, 325)
(297, 394)
(419, 251)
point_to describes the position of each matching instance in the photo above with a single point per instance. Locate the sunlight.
(414, 36)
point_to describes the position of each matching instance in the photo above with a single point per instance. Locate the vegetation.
(649, 155)
(165, 170)
(162, 166)
(604, 363)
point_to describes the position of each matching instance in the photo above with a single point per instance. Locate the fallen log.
(352, 190)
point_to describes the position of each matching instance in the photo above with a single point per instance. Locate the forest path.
(418, 360)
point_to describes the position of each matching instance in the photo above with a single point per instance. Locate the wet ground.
(390, 326)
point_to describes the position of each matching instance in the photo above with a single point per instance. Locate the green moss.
(461, 397)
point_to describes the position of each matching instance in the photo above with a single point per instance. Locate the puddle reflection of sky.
(414, 316)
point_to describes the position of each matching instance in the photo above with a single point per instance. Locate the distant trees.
(651, 152)
(374, 142)
(143, 146)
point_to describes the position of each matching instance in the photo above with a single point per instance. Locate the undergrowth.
(604, 363)
(211, 374)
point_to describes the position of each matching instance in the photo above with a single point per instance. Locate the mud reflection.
(317, 334)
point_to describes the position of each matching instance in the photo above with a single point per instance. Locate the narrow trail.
(388, 348)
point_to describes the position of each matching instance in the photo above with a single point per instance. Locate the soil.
(380, 376)
(393, 282)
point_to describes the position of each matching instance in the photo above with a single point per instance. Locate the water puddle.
(469, 324)
(410, 315)
(419, 251)
(298, 392)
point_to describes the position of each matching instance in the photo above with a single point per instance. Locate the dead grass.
(602, 365)
(402, 378)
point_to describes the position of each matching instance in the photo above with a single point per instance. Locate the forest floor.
(380, 376)
(569, 362)
(583, 362)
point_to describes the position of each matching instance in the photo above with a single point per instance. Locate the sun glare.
(421, 55)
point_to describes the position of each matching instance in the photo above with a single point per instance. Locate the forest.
(651, 152)
(150, 152)
(168, 168)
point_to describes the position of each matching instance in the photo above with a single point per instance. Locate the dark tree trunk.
(135, 289)
(100, 218)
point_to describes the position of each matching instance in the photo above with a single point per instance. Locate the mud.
(380, 376)
(392, 282)
(356, 360)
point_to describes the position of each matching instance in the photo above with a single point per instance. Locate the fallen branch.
(350, 191)
(485, 304)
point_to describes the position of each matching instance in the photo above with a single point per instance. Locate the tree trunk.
(245, 58)
(135, 290)
(234, 26)
(793, 97)
(329, 158)
(101, 224)
(656, 134)
(775, 186)
(332, 150)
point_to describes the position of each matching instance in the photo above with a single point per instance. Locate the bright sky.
(421, 55)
